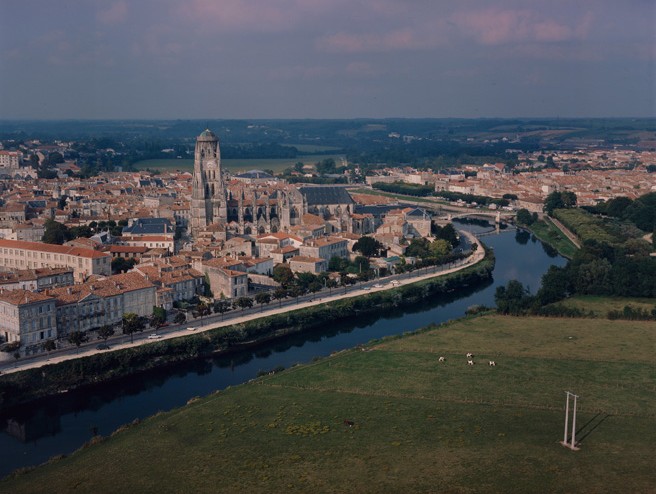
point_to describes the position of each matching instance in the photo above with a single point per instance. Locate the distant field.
(313, 148)
(600, 306)
(237, 165)
(418, 425)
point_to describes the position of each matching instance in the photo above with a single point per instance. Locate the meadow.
(600, 306)
(278, 165)
(389, 417)
(546, 231)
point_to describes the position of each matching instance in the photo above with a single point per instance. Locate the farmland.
(418, 425)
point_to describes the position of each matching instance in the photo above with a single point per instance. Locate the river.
(59, 425)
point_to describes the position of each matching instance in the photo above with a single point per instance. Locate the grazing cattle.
(441, 359)
(470, 362)
(350, 423)
(492, 363)
(470, 355)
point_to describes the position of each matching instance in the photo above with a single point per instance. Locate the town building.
(28, 318)
(17, 254)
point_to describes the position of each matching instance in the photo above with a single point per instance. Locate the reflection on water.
(63, 423)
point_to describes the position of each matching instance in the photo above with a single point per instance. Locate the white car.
(191, 328)
(378, 285)
(367, 288)
(154, 336)
(395, 282)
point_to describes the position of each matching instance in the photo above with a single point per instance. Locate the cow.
(470, 362)
(350, 423)
(470, 355)
(441, 359)
(492, 363)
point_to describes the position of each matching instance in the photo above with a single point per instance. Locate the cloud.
(496, 27)
(298, 72)
(395, 40)
(362, 69)
(251, 15)
(116, 13)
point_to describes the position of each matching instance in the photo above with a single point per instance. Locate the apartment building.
(17, 254)
(325, 248)
(89, 306)
(27, 317)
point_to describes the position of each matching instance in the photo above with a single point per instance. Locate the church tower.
(208, 196)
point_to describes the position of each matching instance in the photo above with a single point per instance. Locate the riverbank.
(390, 417)
(48, 378)
(551, 234)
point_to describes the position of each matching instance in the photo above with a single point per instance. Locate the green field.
(236, 165)
(419, 425)
(600, 306)
(546, 231)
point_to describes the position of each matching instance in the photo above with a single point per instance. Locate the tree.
(440, 248)
(512, 299)
(553, 201)
(524, 217)
(298, 167)
(158, 319)
(105, 332)
(180, 318)
(55, 158)
(337, 264)
(263, 298)
(368, 247)
(122, 265)
(221, 307)
(296, 291)
(279, 294)
(55, 232)
(326, 166)
(49, 346)
(315, 286)
(77, 338)
(244, 303)
(132, 323)
(449, 233)
(283, 275)
(203, 309)
(418, 248)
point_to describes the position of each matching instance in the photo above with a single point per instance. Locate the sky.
(188, 59)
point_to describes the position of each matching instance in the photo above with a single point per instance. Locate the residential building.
(28, 318)
(17, 254)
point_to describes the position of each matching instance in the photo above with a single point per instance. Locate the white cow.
(470, 362)
(441, 359)
(470, 355)
(492, 363)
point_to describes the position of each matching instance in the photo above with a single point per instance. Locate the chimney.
(69, 290)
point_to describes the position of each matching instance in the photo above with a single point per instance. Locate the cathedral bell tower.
(208, 195)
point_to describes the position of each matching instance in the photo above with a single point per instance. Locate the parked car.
(154, 336)
(191, 328)
(102, 346)
(378, 285)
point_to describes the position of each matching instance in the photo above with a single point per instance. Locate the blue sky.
(326, 58)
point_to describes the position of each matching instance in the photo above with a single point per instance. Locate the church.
(224, 207)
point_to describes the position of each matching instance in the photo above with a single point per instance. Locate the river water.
(61, 424)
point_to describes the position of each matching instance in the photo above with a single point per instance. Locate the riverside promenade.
(235, 317)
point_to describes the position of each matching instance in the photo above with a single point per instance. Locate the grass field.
(419, 425)
(600, 306)
(236, 165)
(550, 234)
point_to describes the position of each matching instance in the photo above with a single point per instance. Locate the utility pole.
(572, 444)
